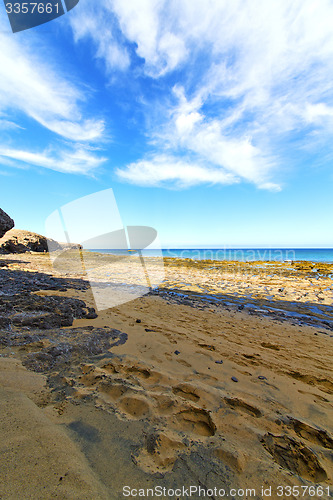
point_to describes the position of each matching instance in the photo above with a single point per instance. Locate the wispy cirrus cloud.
(31, 85)
(159, 170)
(34, 86)
(77, 160)
(111, 23)
(8, 125)
(93, 21)
(250, 77)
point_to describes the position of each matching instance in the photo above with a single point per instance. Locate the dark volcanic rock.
(17, 241)
(6, 223)
(70, 346)
(4, 322)
(35, 327)
(27, 310)
(13, 282)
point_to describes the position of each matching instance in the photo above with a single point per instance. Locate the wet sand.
(224, 379)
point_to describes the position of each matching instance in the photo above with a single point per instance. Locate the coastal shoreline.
(301, 291)
(182, 379)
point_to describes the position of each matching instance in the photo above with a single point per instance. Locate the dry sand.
(201, 391)
(38, 459)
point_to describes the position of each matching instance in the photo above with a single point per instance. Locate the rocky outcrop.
(33, 311)
(17, 241)
(6, 223)
(70, 246)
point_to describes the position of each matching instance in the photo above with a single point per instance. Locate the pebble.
(138, 321)
(177, 352)
(234, 379)
(219, 362)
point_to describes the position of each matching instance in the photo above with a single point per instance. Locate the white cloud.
(87, 130)
(8, 124)
(31, 84)
(92, 20)
(159, 170)
(250, 74)
(317, 112)
(164, 170)
(146, 23)
(185, 122)
(173, 50)
(210, 141)
(218, 157)
(141, 23)
(234, 78)
(75, 161)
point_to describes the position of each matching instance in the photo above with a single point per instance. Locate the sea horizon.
(324, 255)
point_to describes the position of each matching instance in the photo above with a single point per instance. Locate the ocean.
(239, 254)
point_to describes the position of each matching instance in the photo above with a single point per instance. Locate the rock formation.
(17, 241)
(6, 223)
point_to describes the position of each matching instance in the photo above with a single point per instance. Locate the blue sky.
(212, 121)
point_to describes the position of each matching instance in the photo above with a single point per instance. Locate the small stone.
(177, 352)
(138, 321)
(234, 379)
(219, 362)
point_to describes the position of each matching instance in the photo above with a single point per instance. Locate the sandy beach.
(220, 378)
(166, 251)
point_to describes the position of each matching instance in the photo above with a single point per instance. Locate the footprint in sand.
(323, 384)
(294, 456)
(139, 372)
(160, 452)
(136, 407)
(164, 403)
(310, 433)
(317, 396)
(268, 345)
(230, 455)
(252, 359)
(186, 392)
(239, 404)
(90, 379)
(134, 371)
(196, 421)
(112, 391)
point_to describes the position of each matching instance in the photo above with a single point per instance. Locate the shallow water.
(239, 254)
